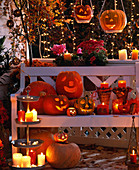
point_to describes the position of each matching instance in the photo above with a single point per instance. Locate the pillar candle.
(29, 116)
(32, 154)
(17, 159)
(104, 85)
(41, 159)
(67, 56)
(115, 106)
(134, 54)
(122, 83)
(34, 115)
(123, 54)
(26, 161)
(21, 115)
(103, 109)
(133, 157)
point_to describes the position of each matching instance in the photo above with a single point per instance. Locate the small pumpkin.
(63, 155)
(85, 105)
(41, 89)
(83, 14)
(69, 83)
(55, 104)
(113, 21)
(71, 111)
(60, 137)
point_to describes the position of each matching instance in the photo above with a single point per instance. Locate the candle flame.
(102, 103)
(133, 152)
(41, 153)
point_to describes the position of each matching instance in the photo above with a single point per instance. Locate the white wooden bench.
(113, 73)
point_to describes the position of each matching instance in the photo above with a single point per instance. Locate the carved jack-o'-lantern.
(71, 111)
(69, 83)
(113, 21)
(83, 14)
(55, 104)
(60, 137)
(85, 105)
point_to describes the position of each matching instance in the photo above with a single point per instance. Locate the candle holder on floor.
(132, 153)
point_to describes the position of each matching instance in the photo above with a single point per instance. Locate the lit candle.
(1, 145)
(17, 159)
(32, 154)
(133, 157)
(103, 109)
(104, 85)
(21, 116)
(134, 54)
(41, 159)
(115, 106)
(123, 54)
(26, 161)
(122, 83)
(29, 116)
(67, 56)
(34, 115)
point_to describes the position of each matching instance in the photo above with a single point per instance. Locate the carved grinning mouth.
(61, 108)
(70, 90)
(110, 26)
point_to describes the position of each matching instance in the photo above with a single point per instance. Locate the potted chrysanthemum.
(93, 52)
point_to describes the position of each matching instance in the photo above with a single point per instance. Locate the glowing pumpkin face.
(83, 14)
(113, 21)
(60, 137)
(55, 104)
(71, 111)
(85, 105)
(69, 83)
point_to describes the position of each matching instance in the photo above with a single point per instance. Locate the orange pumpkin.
(71, 111)
(113, 21)
(83, 14)
(55, 104)
(63, 155)
(85, 105)
(69, 83)
(41, 89)
(60, 137)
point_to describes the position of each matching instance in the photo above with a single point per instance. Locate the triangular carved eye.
(106, 16)
(85, 12)
(81, 10)
(115, 16)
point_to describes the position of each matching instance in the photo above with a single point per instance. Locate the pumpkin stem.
(42, 93)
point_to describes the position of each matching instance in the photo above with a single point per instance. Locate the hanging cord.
(101, 8)
(123, 6)
(115, 4)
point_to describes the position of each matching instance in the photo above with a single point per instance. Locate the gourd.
(41, 89)
(69, 83)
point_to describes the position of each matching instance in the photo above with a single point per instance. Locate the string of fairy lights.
(47, 44)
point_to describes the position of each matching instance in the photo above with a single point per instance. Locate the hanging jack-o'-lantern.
(85, 105)
(69, 83)
(60, 137)
(113, 21)
(10, 23)
(83, 14)
(71, 111)
(55, 104)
